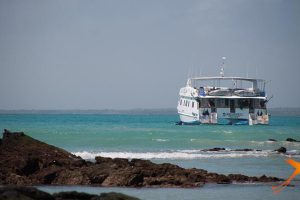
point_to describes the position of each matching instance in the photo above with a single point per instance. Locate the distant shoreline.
(164, 111)
(280, 111)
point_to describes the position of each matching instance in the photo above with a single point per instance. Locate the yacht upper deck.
(227, 87)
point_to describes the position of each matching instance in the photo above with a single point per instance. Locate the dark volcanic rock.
(272, 140)
(265, 179)
(215, 149)
(31, 193)
(243, 179)
(74, 195)
(239, 178)
(26, 193)
(281, 150)
(115, 196)
(26, 161)
(291, 140)
(243, 150)
(223, 149)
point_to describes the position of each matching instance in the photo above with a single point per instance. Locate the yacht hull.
(188, 120)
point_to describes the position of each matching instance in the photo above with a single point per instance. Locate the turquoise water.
(213, 192)
(156, 137)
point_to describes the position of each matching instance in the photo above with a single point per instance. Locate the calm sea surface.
(156, 137)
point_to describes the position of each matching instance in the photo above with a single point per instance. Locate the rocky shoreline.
(31, 193)
(25, 161)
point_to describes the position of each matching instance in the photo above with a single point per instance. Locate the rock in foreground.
(281, 150)
(291, 140)
(26, 161)
(31, 193)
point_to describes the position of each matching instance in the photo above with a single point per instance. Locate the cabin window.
(204, 103)
(217, 102)
(221, 103)
(262, 103)
(243, 103)
(256, 103)
(251, 106)
(211, 103)
(226, 103)
(192, 104)
(232, 106)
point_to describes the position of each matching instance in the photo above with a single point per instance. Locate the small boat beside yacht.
(223, 100)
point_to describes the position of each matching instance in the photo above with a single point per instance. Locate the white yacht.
(223, 100)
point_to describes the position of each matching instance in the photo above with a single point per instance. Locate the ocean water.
(156, 137)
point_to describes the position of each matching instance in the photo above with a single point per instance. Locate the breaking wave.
(183, 154)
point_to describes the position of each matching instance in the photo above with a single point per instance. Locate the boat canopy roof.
(220, 81)
(227, 78)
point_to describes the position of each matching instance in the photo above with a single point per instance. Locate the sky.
(126, 54)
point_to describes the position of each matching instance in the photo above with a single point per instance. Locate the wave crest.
(174, 155)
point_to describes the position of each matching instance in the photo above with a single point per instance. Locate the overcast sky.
(125, 54)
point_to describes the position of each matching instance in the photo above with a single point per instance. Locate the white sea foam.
(291, 143)
(227, 131)
(160, 140)
(293, 152)
(270, 142)
(173, 155)
(257, 142)
(284, 143)
(191, 151)
(196, 140)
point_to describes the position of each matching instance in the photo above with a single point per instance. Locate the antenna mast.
(222, 67)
